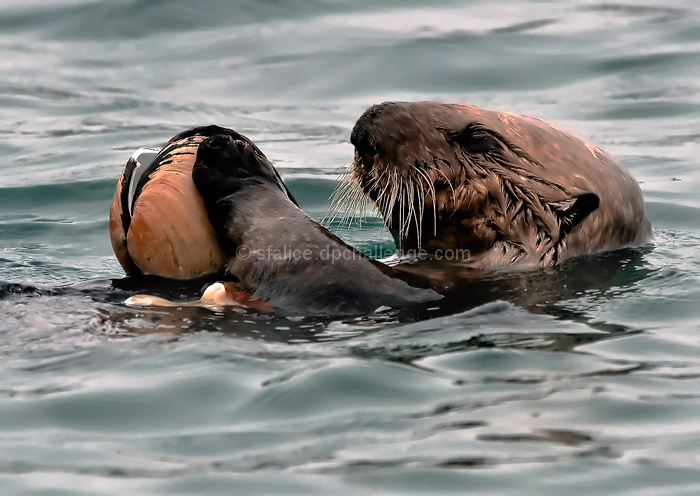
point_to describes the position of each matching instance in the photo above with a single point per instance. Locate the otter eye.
(476, 139)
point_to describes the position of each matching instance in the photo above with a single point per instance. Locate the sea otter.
(210, 203)
(503, 188)
(158, 224)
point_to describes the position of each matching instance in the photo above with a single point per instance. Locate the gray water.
(584, 380)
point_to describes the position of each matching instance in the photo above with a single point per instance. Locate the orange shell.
(170, 234)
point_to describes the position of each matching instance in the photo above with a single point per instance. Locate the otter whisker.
(431, 190)
(402, 205)
(405, 210)
(349, 213)
(411, 201)
(421, 205)
(338, 201)
(396, 188)
(418, 200)
(348, 201)
(398, 195)
(384, 185)
(383, 202)
(392, 199)
(342, 199)
(345, 181)
(408, 202)
(358, 206)
(409, 205)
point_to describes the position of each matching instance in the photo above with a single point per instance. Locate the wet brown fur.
(507, 188)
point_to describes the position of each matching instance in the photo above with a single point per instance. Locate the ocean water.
(582, 380)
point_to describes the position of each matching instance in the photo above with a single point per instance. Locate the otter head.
(413, 161)
(225, 163)
(448, 176)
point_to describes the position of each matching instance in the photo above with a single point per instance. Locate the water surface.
(583, 380)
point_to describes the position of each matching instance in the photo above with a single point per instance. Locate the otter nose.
(361, 140)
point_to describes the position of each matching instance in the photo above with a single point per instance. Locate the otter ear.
(573, 211)
(476, 139)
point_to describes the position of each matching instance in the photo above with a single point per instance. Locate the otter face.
(225, 163)
(409, 163)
